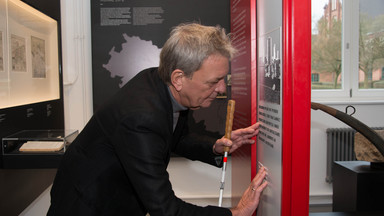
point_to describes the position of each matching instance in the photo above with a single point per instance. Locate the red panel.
(287, 107)
(243, 72)
(254, 80)
(296, 106)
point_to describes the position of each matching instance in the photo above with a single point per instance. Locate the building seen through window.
(347, 50)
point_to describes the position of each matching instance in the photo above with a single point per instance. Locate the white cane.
(228, 130)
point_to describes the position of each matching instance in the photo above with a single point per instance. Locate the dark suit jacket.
(117, 165)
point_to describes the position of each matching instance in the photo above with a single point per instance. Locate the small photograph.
(38, 57)
(18, 53)
(270, 71)
(1, 52)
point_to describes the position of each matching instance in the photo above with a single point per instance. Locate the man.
(118, 163)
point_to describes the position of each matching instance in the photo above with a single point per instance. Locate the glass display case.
(36, 148)
(29, 55)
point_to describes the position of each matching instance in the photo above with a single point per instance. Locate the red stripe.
(225, 159)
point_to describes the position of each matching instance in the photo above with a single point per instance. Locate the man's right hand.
(251, 197)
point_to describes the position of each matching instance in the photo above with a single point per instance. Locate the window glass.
(371, 44)
(326, 44)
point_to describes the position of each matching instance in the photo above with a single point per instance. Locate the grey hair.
(189, 45)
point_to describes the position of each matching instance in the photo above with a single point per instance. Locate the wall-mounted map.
(127, 36)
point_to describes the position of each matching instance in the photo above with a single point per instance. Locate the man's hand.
(251, 197)
(239, 137)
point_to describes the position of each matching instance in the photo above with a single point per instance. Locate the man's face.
(200, 90)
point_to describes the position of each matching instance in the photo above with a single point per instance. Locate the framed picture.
(18, 54)
(38, 57)
(1, 52)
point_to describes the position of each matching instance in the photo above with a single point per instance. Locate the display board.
(274, 44)
(127, 36)
(270, 101)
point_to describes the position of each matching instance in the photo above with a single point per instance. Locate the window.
(382, 73)
(315, 77)
(334, 2)
(347, 50)
(326, 46)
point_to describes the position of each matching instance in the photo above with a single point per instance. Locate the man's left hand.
(239, 137)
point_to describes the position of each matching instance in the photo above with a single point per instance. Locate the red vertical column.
(296, 89)
(296, 106)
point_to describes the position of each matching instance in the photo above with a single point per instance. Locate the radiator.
(340, 147)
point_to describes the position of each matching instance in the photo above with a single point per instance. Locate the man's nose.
(221, 87)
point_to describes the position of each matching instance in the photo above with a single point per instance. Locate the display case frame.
(47, 113)
(14, 158)
(22, 185)
(30, 51)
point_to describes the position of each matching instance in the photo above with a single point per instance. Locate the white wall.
(77, 71)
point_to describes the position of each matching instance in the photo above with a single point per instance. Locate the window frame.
(350, 62)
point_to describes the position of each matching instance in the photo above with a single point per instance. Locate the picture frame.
(18, 53)
(1, 52)
(38, 57)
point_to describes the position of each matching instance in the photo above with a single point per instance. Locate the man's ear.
(177, 79)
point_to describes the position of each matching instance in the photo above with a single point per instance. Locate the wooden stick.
(228, 131)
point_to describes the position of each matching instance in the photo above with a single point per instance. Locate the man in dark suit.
(118, 163)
